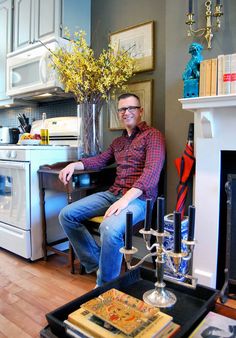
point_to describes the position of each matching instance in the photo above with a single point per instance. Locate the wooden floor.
(28, 290)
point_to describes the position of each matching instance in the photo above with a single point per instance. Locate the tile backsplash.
(8, 116)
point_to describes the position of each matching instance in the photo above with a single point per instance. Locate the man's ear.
(141, 112)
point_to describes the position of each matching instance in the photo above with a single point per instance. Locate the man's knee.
(109, 232)
(67, 215)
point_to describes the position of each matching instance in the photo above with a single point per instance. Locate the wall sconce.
(208, 30)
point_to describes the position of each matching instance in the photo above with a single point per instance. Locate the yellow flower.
(91, 79)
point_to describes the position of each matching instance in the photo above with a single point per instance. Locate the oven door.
(15, 194)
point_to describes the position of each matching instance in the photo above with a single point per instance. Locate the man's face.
(132, 116)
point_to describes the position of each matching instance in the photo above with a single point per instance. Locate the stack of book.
(116, 314)
(218, 76)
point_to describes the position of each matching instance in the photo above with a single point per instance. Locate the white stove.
(20, 214)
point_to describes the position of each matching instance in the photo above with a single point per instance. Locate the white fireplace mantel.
(214, 131)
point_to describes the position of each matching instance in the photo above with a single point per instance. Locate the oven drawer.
(15, 240)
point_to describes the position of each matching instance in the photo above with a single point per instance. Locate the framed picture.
(139, 41)
(143, 90)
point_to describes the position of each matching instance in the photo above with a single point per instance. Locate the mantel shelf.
(206, 102)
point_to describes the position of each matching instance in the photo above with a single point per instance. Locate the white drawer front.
(15, 240)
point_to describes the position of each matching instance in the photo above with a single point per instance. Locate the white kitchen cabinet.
(5, 42)
(6, 27)
(35, 19)
(44, 19)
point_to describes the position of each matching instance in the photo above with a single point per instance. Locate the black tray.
(190, 308)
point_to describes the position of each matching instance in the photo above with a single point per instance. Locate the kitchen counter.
(32, 147)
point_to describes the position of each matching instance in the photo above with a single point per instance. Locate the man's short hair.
(126, 95)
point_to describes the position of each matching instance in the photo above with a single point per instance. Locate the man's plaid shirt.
(139, 158)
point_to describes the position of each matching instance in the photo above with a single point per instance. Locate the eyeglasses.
(131, 109)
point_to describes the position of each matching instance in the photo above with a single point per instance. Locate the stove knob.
(8, 154)
(13, 154)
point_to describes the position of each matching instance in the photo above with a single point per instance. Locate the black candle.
(177, 232)
(148, 216)
(129, 230)
(191, 222)
(190, 6)
(160, 214)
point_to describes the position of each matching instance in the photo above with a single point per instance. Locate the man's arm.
(123, 202)
(94, 163)
(66, 173)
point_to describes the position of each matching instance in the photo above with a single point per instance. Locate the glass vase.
(89, 126)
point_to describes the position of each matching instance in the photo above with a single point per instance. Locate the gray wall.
(176, 57)
(172, 44)
(112, 15)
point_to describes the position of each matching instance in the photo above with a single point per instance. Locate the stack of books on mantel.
(218, 76)
(116, 314)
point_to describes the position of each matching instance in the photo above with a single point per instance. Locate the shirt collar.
(140, 127)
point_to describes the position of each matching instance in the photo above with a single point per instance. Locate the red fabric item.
(185, 166)
(139, 158)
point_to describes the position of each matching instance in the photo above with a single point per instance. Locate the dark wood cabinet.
(48, 180)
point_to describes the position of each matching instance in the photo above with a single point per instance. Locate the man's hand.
(116, 207)
(66, 173)
(123, 202)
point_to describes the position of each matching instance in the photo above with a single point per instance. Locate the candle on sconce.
(191, 222)
(177, 232)
(190, 6)
(129, 230)
(148, 216)
(160, 214)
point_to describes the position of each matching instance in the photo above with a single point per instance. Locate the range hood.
(10, 102)
(49, 95)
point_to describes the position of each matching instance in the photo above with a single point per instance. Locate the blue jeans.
(106, 258)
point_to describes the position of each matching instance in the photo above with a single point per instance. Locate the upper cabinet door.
(43, 19)
(23, 23)
(5, 42)
(35, 20)
(47, 19)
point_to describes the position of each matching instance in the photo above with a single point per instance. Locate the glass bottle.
(44, 131)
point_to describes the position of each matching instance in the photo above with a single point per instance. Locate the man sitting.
(139, 154)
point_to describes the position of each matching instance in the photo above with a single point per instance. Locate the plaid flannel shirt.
(139, 158)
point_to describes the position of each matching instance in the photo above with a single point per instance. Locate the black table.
(191, 306)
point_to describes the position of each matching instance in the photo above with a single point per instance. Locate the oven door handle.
(12, 165)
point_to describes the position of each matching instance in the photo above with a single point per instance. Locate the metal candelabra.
(207, 31)
(160, 296)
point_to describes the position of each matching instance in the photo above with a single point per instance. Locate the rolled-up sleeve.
(100, 161)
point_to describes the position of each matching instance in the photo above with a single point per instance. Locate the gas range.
(14, 152)
(20, 212)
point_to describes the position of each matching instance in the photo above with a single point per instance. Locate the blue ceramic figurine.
(191, 73)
